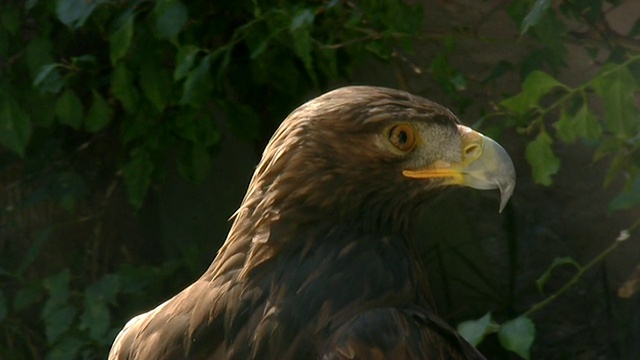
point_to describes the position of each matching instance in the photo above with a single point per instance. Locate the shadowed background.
(129, 133)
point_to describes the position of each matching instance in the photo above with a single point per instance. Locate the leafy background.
(129, 130)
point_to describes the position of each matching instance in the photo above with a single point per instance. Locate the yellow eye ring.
(402, 137)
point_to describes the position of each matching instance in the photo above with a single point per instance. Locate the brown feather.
(319, 262)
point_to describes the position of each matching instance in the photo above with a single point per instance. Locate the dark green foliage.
(155, 80)
(102, 95)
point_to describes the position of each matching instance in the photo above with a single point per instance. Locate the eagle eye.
(402, 137)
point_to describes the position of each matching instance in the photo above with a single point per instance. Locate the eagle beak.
(484, 165)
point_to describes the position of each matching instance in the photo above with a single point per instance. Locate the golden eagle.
(320, 262)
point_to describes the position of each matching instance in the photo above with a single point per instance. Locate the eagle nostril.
(472, 151)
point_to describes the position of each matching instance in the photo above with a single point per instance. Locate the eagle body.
(320, 262)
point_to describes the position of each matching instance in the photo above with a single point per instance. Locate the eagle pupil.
(403, 137)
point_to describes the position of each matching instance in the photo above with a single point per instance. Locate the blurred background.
(129, 131)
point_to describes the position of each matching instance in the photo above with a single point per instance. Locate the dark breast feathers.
(319, 262)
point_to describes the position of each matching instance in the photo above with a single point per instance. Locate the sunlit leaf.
(544, 163)
(517, 335)
(535, 86)
(616, 86)
(542, 280)
(534, 15)
(15, 127)
(69, 110)
(583, 125)
(474, 331)
(566, 128)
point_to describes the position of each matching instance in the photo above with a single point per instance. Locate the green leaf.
(196, 128)
(382, 49)
(123, 88)
(198, 84)
(535, 86)
(535, 14)
(83, 62)
(542, 280)
(303, 18)
(583, 125)
(57, 313)
(184, 61)
(48, 79)
(99, 114)
(96, 316)
(156, 85)
(474, 331)
(74, 13)
(171, 17)
(544, 163)
(607, 147)
(627, 198)
(587, 125)
(15, 127)
(619, 164)
(565, 128)
(300, 29)
(105, 289)
(58, 321)
(137, 175)
(69, 110)
(58, 287)
(517, 335)
(120, 39)
(616, 86)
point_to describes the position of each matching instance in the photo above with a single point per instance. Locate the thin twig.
(624, 235)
